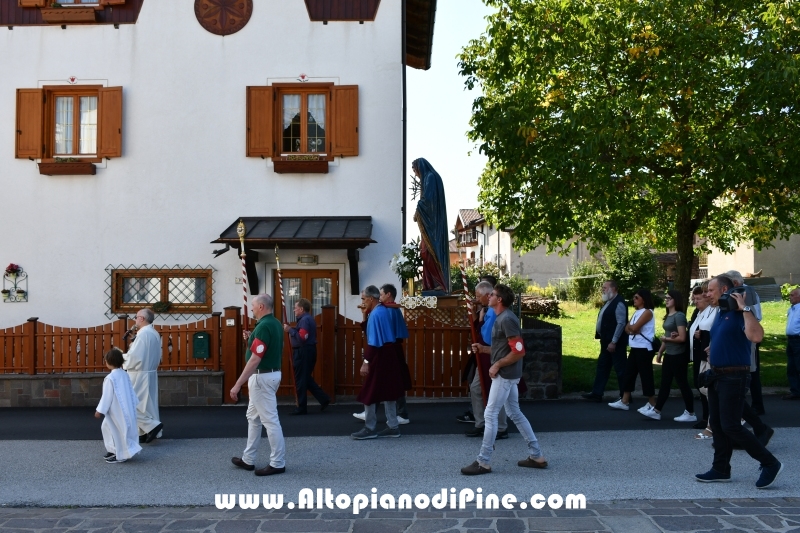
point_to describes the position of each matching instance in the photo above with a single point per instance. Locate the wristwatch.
(747, 309)
(366, 362)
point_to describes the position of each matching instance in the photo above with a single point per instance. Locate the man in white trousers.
(142, 362)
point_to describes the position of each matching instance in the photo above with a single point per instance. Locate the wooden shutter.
(112, 2)
(260, 105)
(31, 3)
(30, 111)
(109, 119)
(344, 118)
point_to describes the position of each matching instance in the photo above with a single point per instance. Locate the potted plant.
(5, 293)
(407, 264)
(20, 293)
(161, 307)
(12, 270)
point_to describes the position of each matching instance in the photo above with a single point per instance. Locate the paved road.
(645, 516)
(437, 418)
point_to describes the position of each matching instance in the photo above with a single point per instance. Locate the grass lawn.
(580, 349)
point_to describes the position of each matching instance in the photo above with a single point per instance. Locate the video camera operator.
(732, 333)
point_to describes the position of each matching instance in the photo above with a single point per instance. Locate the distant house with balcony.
(482, 243)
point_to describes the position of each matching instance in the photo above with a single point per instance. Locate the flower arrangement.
(408, 262)
(13, 269)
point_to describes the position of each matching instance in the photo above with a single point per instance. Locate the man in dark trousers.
(610, 330)
(732, 334)
(303, 338)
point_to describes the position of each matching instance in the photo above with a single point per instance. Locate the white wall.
(781, 262)
(183, 177)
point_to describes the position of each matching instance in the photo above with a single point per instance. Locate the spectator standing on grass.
(676, 360)
(641, 331)
(793, 346)
(734, 329)
(609, 330)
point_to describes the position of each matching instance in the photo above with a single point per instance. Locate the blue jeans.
(726, 405)
(504, 393)
(604, 363)
(793, 365)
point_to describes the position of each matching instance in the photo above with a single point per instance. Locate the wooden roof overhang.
(327, 233)
(13, 14)
(420, 18)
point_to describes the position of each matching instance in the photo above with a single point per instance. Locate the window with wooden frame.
(300, 124)
(71, 121)
(166, 290)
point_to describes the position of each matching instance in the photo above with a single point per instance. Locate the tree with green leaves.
(663, 119)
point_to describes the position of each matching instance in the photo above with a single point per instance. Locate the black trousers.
(755, 383)
(304, 359)
(726, 406)
(604, 363)
(675, 367)
(640, 361)
(696, 376)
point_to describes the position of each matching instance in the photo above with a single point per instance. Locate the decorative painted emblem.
(223, 17)
(302, 78)
(72, 80)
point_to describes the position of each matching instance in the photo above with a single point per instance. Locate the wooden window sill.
(61, 15)
(82, 168)
(300, 167)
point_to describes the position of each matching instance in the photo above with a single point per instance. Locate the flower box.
(62, 15)
(80, 168)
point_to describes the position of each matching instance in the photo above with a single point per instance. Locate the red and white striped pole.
(240, 230)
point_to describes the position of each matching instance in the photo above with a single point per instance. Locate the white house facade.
(133, 142)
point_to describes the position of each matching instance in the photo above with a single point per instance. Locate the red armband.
(303, 334)
(258, 348)
(516, 345)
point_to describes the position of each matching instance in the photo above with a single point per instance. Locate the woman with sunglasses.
(641, 329)
(676, 360)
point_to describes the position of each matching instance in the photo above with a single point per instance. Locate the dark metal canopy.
(330, 233)
(301, 232)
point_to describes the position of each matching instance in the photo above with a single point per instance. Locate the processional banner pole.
(285, 321)
(471, 315)
(240, 230)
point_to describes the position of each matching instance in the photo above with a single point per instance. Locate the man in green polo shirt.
(263, 376)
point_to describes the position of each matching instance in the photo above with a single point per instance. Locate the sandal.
(704, 435)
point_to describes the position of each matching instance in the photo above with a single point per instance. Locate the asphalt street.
(433, 418)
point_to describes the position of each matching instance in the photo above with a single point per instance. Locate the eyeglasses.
(137, 317)
(668, 298)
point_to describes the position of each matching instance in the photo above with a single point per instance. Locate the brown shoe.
(530, 463)
(270, 470)
(475, 469)
(241, 464)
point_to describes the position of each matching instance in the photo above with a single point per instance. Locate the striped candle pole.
(240, 230)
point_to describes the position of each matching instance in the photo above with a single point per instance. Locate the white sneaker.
(403, 421)
(646, 407)
(652, 413)
(686, 417)
(361, 416)
(619, 404)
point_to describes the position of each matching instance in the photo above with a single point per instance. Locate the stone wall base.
(541, 366)
(79, 390)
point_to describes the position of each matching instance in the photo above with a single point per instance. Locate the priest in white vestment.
(142, 362)
(118, 405)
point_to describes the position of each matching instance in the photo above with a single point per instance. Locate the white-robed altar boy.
(118, 404)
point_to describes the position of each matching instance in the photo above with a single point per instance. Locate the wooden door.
(320, 287)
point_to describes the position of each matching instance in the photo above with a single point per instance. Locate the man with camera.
(732, 333)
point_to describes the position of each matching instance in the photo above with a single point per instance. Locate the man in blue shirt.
(793, 346)
(303, 338)
(732, 333)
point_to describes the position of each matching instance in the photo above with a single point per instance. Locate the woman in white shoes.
(676, 359)
(641, 330)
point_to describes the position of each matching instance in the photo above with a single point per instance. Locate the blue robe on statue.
(431, 216)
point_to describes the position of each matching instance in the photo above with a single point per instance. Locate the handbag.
(704, 377)
(655, 342)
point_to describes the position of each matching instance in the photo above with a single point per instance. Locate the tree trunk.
(685, 249)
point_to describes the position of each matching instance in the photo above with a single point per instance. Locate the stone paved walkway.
(634, 516)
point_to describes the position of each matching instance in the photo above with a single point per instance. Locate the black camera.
(726, 303)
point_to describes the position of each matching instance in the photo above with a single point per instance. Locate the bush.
(632, 265)
(542, 307)
(786, 289)
(474, 273)
(586, 282)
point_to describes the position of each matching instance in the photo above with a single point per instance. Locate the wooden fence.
(436, 351)
(39, 348)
